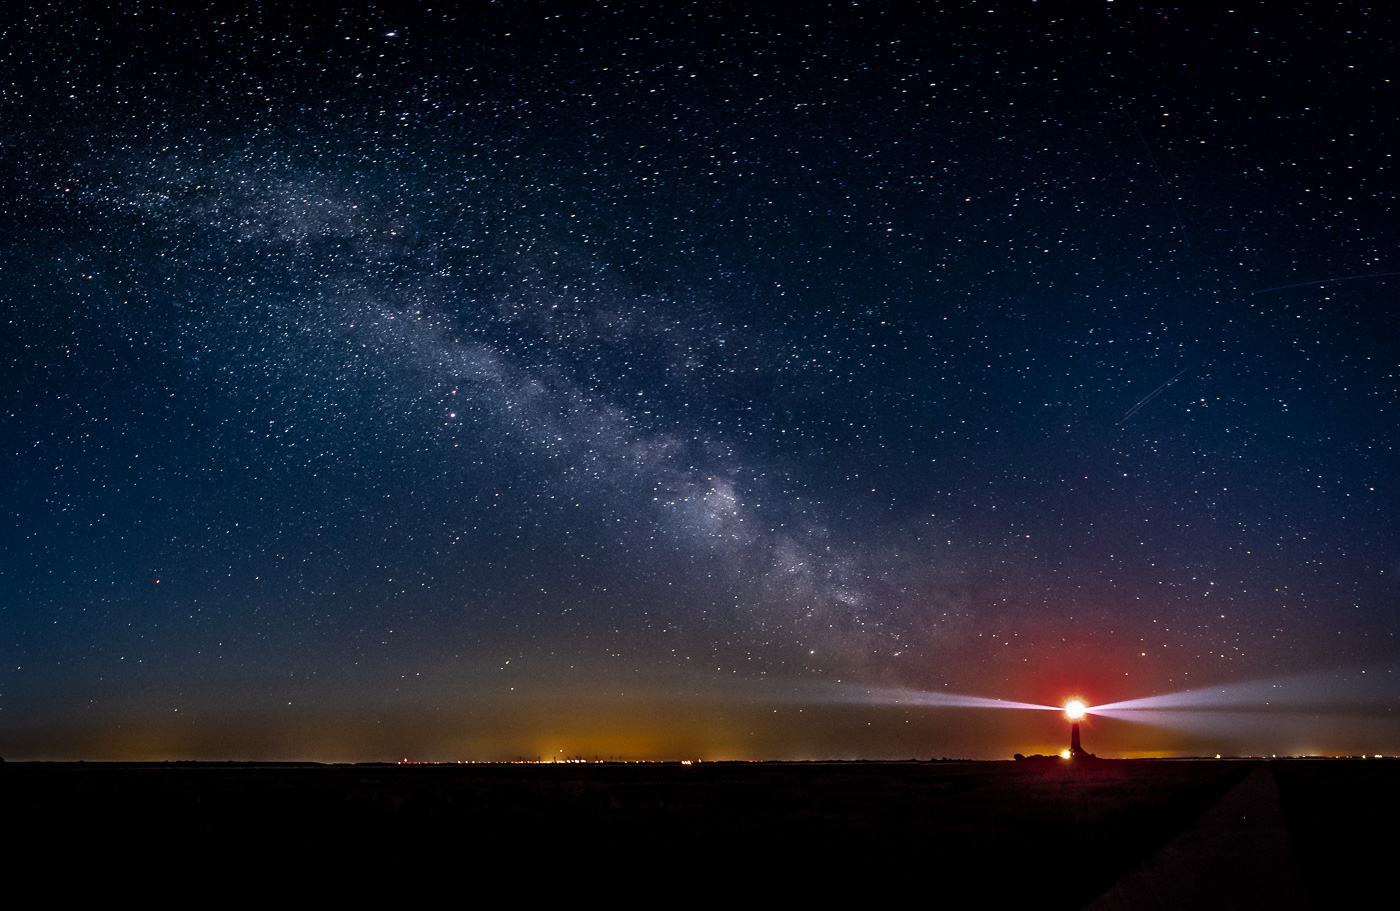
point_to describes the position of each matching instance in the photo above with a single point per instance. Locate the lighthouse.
(1075, 710)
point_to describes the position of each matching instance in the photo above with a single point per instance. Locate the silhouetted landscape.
(1006, 834)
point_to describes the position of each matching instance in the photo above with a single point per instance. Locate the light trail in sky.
(1327, 281)
(1152, 395)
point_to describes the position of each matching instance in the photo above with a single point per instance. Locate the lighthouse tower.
(1074, 710)
(1074, 748)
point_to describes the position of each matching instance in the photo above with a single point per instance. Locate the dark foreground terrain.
(1053, 834)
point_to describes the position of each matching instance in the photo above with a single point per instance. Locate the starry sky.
(679, 380)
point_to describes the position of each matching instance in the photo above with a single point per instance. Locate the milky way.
(566, 380)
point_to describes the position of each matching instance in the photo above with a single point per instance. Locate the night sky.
(696, 381)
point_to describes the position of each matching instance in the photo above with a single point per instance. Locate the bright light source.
(1064, 754)
(1074, 710)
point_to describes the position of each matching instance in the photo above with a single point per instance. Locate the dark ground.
(1034, 834)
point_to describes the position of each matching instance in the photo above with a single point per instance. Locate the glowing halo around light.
(1075, 710)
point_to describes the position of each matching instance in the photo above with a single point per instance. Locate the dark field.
(1031, 834)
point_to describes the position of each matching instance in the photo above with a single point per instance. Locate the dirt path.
(1235, 856)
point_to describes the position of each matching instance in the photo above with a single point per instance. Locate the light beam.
(892, 696)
